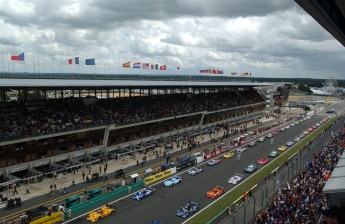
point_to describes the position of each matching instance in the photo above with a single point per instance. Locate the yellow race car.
(282, 148)
(228, 155)
(100, 214)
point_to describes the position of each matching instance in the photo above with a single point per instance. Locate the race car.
(100, 214)
(289, 143)
(270, 135)
(188, 210)
(215, 192)
(306, 132)
(143, 193)
(282, 148)
(194, 171)
(213, 162)
(310, 130)
(242, 149)
(297, 139)
(172, 181)
(228, 155)
(252, 143)
(235, 179)
(250, 169)
(263, 161)
(262, 139)
(276, 133)
(273, 154)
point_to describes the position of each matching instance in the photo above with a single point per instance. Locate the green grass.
(214, 210)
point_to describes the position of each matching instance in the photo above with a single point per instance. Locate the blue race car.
(195, 171)
(188, 210)
(213, 162)
(143, 193)
(289, 143)
(172, 181)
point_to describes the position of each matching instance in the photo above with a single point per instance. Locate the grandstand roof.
(336, 182)
(21, 83)
(329, 14)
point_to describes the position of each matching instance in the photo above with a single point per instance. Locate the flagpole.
(34, 64)
(38, 64)
(3, 63)
(52, 64)
(44, 65)
(61, 63)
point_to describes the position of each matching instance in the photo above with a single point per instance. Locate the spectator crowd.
(302, 200)
(41, 117)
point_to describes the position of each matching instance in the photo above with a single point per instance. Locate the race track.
(163, 204)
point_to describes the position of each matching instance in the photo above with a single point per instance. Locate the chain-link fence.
(246, 210)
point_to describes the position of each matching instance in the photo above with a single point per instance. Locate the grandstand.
(49, 124)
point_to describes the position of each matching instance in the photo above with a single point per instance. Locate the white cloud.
(267, 37)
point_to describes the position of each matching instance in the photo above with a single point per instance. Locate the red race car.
(215, 192)
(276, 133)
(263, 161)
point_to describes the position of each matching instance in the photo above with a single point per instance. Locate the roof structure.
(335, 186)
(328, 13)
(40, 83)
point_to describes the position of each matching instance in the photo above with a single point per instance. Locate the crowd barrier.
(121, 191)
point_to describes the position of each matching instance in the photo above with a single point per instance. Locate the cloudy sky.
(267, 38)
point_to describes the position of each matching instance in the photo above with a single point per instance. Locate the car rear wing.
(238, 174)
(220, 187)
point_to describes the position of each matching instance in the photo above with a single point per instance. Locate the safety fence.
(244, 210)
(121, 191)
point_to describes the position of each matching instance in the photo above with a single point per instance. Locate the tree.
(304, 88)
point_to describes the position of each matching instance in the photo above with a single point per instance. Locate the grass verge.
(215, 209)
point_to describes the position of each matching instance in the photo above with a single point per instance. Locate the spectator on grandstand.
(302, 201)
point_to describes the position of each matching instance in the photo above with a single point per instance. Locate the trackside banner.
(157, 176)
(54, 218)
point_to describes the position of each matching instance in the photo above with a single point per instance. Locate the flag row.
(242, 74)
(136, 65)
(212, 71)
(146, 66)
(89, 61)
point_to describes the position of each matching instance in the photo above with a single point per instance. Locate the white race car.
(235, 179)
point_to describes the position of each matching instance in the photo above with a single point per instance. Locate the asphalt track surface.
(163, 204)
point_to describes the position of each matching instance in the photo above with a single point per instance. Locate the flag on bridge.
(90, 61)
(18, 57)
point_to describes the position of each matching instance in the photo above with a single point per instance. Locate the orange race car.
(215, 192)
(100, 214)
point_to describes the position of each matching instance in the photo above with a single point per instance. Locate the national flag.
(204, 71)
(233, 73)
(152, 66)
(126, 65)
(221, 72)
(18, 57)
(178, 68)
(136, 65)
(156, 66)
(146, 65)
(245, 74)
(250, 74)
(163, 67)
(90, 61)
(76, 61)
